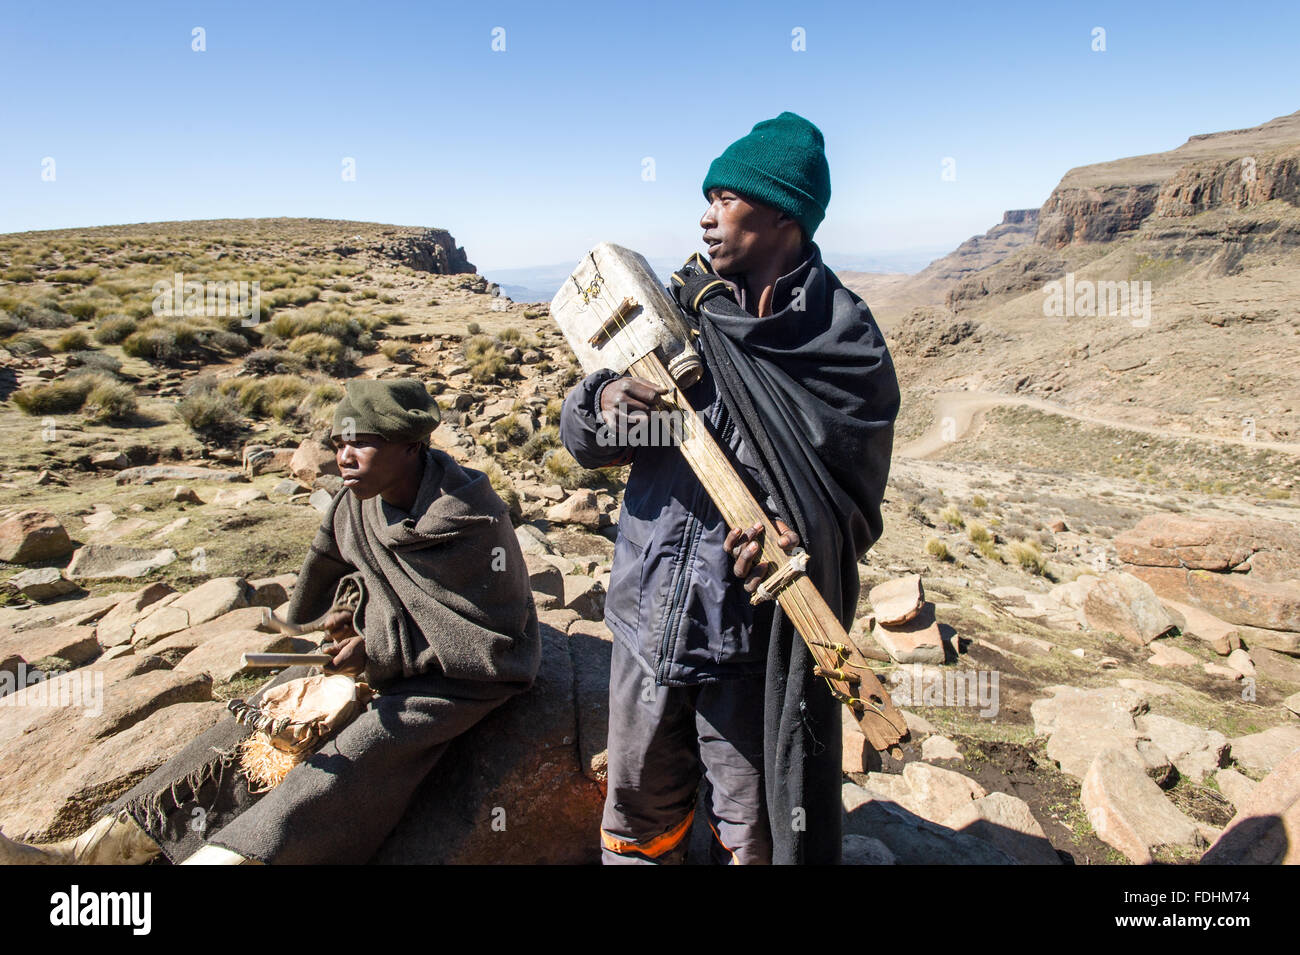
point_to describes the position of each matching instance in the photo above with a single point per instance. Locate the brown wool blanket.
(451, 632)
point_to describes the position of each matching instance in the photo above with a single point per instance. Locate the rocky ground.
(1136, 599)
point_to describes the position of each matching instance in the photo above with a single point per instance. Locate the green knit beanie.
(782, 163)
(399, 411)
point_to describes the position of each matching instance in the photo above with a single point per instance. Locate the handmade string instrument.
(615, 314)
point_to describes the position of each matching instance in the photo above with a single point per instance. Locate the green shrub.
(108, 400)
(937, 548)
(551, 414)
(542, 441)
(11, 325)
(95, 361)
(210, 413)
(271, 361)
(24, 344)
(18, 275)
(978, 532)
(396, 351)
(474, 328)
(63, 396)
(950, 515)
(509, 334)
(114, 329)
(257, 396)
(74, 340)
(320, 351)
(76, 276)
(510, 429)
(560, 465)
(1029, 558)
(43, 316)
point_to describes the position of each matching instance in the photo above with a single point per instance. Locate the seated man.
(445, 632)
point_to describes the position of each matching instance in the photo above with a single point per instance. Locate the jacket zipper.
(674, 615)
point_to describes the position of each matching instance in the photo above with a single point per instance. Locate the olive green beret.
(397, 410)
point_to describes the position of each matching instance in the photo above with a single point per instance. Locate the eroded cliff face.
(1233, 183)
(1093, 214)
(1232, 170)
(432, 250)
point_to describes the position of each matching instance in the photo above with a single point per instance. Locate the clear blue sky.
(531, 155)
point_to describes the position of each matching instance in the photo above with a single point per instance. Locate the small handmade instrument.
(615, 314)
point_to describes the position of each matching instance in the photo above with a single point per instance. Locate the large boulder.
(911, 839)
(1266, 549)
(57, 742)
(1234, 598)
(1124, 605)
(29, 536)
(1129, 812)
(512, 789)
(1007, 823)
(1266, 828)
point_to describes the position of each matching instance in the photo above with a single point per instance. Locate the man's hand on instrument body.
(344, 644)
(628, 396)
(745, 545)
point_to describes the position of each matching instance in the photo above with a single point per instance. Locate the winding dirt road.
(955, 411)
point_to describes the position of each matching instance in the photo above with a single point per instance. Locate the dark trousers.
(662, 740)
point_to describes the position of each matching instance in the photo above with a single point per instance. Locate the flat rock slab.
(1213, 542)
(916, 641)
(52, 745)
(77, 645)
(108, 561)
(1235, 786)
(238, 497)
(1221, 636)
(42, 583)
(152, 473)
(1266, 828)
(72, 613)
(219, 657)
(1166, 655)
(68, 806)
(1129, 812)
(939, 748)
(1109, 706)
(205, 602)
(118, 625)
(178, 644)
(74, 688)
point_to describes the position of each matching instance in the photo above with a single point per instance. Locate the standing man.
(800, 386)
